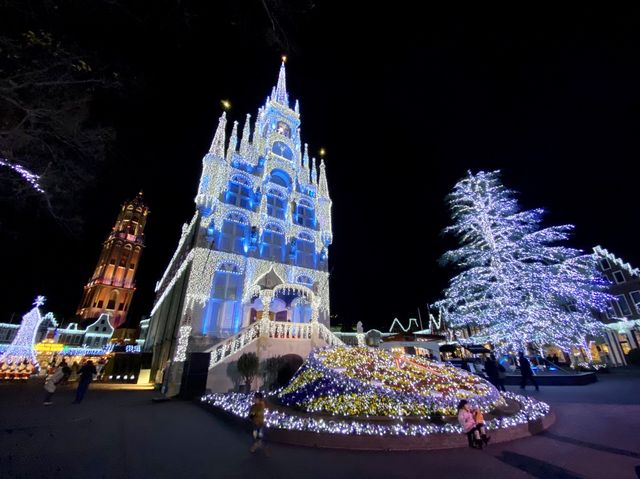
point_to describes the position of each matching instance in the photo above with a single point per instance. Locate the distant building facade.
(622, 317)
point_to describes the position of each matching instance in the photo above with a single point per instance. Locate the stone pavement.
(122, 434)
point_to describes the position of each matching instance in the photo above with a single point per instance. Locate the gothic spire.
(233, 142)
(314, 172)
(305, 160)
(217, 145)
(281, 96)
(323, 188)
(246, 132)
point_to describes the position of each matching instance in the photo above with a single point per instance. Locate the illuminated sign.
(49, 347)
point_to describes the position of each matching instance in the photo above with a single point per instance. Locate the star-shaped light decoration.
(39, 301)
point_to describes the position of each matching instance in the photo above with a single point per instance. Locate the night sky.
(403, 101)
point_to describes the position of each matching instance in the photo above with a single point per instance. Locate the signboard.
(49, 347)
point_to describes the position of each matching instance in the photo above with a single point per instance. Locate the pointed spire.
(314, 172)
(297, 107)
(305, 159)
(281, 95)
(323, 187)
(217, 145)
(246, 132)
(233, 142)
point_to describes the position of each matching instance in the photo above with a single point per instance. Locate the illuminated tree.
(517, 286)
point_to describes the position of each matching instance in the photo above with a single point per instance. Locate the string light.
(517, 286)
(21, 347)
(31, 178)
(271, 143)
(530, 410)
(362, 381)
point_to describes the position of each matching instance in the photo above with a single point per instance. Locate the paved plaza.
(123, 434)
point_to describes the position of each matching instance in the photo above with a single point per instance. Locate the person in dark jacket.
(86, 373)
(491, 370)
(526, 372)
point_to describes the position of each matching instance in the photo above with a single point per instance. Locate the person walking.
(502, 374)
(86, 373)
(491, 370)
(256, 414)
(51, 383)
(526, 372)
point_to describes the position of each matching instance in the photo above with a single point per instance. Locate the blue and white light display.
(262, 208)
(21, 347)
(517, 285)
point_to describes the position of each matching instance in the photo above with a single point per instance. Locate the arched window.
(305, 214)
(273, 243)
(305, 253)
(124, 258)
(227, 282)
(239, 192)
(276, 203)
(280, 178)
(222, 316)
(113, 299)
(233, 233)
(282, 149)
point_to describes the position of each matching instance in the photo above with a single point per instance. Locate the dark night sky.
(404, 102)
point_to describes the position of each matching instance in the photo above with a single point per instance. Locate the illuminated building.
(256, 249)
(112, 285)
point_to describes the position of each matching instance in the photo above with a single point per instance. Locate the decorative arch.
(237, 217)
(241, 179)
(280, 177)
(305, 236)
(274, 227)
(113, 299)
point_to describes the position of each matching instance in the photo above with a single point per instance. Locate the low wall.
(387, 443)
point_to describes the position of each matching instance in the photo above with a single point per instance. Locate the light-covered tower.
(256, 248)
(112, 285)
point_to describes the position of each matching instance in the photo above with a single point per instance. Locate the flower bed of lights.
(360, 398)
(239, 404)
(346, 381)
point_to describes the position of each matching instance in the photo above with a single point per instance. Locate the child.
(50, 385)
(256, 414)
(472, 423)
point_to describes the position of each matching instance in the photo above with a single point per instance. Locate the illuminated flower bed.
(372, 382)
(239, 404)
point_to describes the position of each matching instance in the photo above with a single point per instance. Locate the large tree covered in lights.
(516, 284)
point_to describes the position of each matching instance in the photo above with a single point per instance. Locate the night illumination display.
(517, 285)
(263, 208)
(22, 346)
(31, 178)
(362, 381)
(239, 404)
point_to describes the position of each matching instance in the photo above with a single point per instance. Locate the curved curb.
(354, 442)
(404, 443)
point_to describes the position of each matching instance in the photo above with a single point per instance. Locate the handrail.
(275, 330)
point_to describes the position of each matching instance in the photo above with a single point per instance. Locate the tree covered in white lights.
(517, 287)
